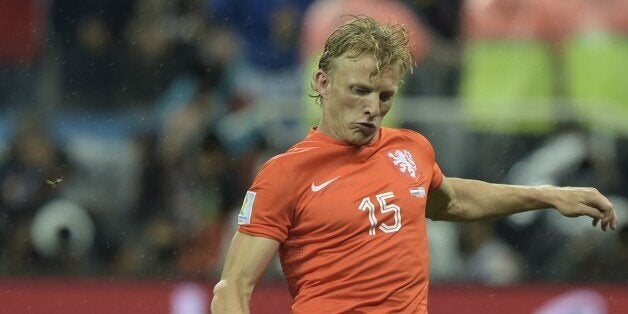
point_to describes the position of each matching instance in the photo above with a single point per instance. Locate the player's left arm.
(471, 200)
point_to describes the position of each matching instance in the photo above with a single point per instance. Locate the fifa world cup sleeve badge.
(244, 217)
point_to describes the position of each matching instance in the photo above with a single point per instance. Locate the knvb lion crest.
(404, 161)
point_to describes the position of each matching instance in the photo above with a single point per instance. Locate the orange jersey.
(351, 221)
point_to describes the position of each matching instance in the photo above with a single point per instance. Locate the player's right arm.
(247, 259)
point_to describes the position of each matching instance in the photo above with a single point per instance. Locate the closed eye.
(359, 90)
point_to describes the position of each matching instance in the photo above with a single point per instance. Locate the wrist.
(547, 195)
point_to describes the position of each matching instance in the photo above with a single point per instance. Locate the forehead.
(363, 67)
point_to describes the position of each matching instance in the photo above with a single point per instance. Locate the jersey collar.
(364, 151)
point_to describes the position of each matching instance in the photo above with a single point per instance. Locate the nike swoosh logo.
(321, 186)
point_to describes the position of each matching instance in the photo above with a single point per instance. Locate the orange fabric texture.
(351, 221)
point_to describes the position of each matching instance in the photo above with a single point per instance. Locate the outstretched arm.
(246, 261)
(471, 200)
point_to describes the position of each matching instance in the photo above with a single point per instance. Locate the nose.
(371, 106)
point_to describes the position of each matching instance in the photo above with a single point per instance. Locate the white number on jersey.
(384, 207)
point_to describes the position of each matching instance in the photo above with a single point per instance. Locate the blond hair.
(388, 43)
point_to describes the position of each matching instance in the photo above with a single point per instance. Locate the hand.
(574, 202)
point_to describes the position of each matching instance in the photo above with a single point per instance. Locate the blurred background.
(130, 130)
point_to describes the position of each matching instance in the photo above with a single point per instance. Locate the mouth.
(366, 127)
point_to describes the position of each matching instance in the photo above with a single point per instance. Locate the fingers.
(592, 203)
(607, 217)
(613, 220)
(597, 200)
(610, 219)
(604, 218)
(614, 225)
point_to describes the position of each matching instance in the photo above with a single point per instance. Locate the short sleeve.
(437, 177)
(437, 174)
(268, 205)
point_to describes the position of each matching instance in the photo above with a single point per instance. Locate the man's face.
(354, 103)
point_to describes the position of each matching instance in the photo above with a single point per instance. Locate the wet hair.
(388, 43)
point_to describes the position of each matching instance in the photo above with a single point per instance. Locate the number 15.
(384, 207)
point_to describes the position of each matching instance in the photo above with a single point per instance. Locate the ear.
(322, 83)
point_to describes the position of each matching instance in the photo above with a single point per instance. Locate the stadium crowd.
(131, 129)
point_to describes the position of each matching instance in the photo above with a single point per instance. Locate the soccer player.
(346, 207)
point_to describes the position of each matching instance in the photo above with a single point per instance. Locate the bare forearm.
(247, 258)
(478, 200)
(470, 200)
(230, 298)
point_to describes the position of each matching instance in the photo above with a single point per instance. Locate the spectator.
(202, 196)
(155, 51)
(270, 29)
(34, 172)
(88, 37)
(268, 33)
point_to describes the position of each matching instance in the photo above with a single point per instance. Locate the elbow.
(467, 212)
(220, 288)
(227, 298)
(231, 286)
(231, 296)
(455, 211)
(219, 295)
(227, 288)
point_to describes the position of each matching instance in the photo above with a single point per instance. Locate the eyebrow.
(362, 85)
